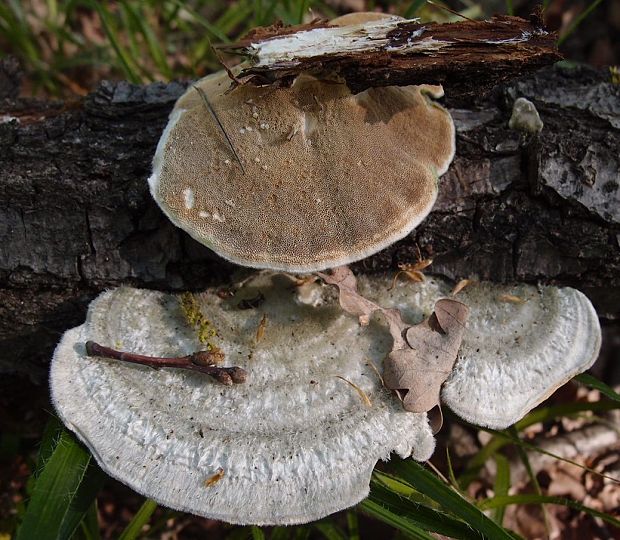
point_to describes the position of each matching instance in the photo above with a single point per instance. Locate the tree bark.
(466, 57)
(76, 216)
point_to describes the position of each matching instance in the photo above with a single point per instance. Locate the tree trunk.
(76, 216)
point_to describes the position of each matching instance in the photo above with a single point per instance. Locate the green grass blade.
(301, 533)
(240, 533)
(519, 444)
(534, 448)
(257, 533)
(413, 8)
(213, 29)
(64, 490)
(302, 9)
(378, 511)
(129, 30)
(593, 382)
(235, 16)
(451, 475)
(501, 485)
(49, 441)
(578, 20)
(330, 530)
(280, 533)
(450, 500)
(496, 502)
(127, 64)
(83, 500)
(142, 517)
(543, 414)
(353, 525)
(157, 53)
(90, 523)
(409, 515)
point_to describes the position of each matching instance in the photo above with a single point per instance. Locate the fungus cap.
(521, 343)
(531, 340)
(295, 442)
(330, 177)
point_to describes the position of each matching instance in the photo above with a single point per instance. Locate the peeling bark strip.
(395, 51)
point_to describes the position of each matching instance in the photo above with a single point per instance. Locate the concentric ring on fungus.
(295, 443)
(330, 177)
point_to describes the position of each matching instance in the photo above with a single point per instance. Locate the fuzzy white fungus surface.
(295, 442)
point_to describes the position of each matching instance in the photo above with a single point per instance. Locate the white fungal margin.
(158, 159)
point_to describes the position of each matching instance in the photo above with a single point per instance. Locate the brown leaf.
(420, 362)
(423, 366)
(511, 299)
(260, 331)
(353, 302)
(415, 267)
(212, 480)
(359, 391)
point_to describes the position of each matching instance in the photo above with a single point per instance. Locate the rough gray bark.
(76, 216)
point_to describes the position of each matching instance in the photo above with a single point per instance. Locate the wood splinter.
(201, 361)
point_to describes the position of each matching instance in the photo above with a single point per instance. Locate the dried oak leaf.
(353, 302)
(423, 355)
(421, 368)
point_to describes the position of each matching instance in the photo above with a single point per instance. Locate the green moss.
(196, 319)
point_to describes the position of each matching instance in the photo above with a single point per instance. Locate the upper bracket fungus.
(303, 178)
(298, 172)
(295, 442)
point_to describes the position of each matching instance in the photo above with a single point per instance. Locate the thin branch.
(201, 361)
(450, 10)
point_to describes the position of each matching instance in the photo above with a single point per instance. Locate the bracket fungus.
(303, 178)
(295, 442)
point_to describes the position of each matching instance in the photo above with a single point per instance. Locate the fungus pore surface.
(330, 177)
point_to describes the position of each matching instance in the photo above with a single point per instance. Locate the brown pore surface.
(329, 177)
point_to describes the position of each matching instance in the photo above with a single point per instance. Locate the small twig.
(449, 10)
(207, 103)
(220, 59)
(201, 361)
(371, 364)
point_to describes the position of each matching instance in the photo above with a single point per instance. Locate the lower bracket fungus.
(293, 443)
